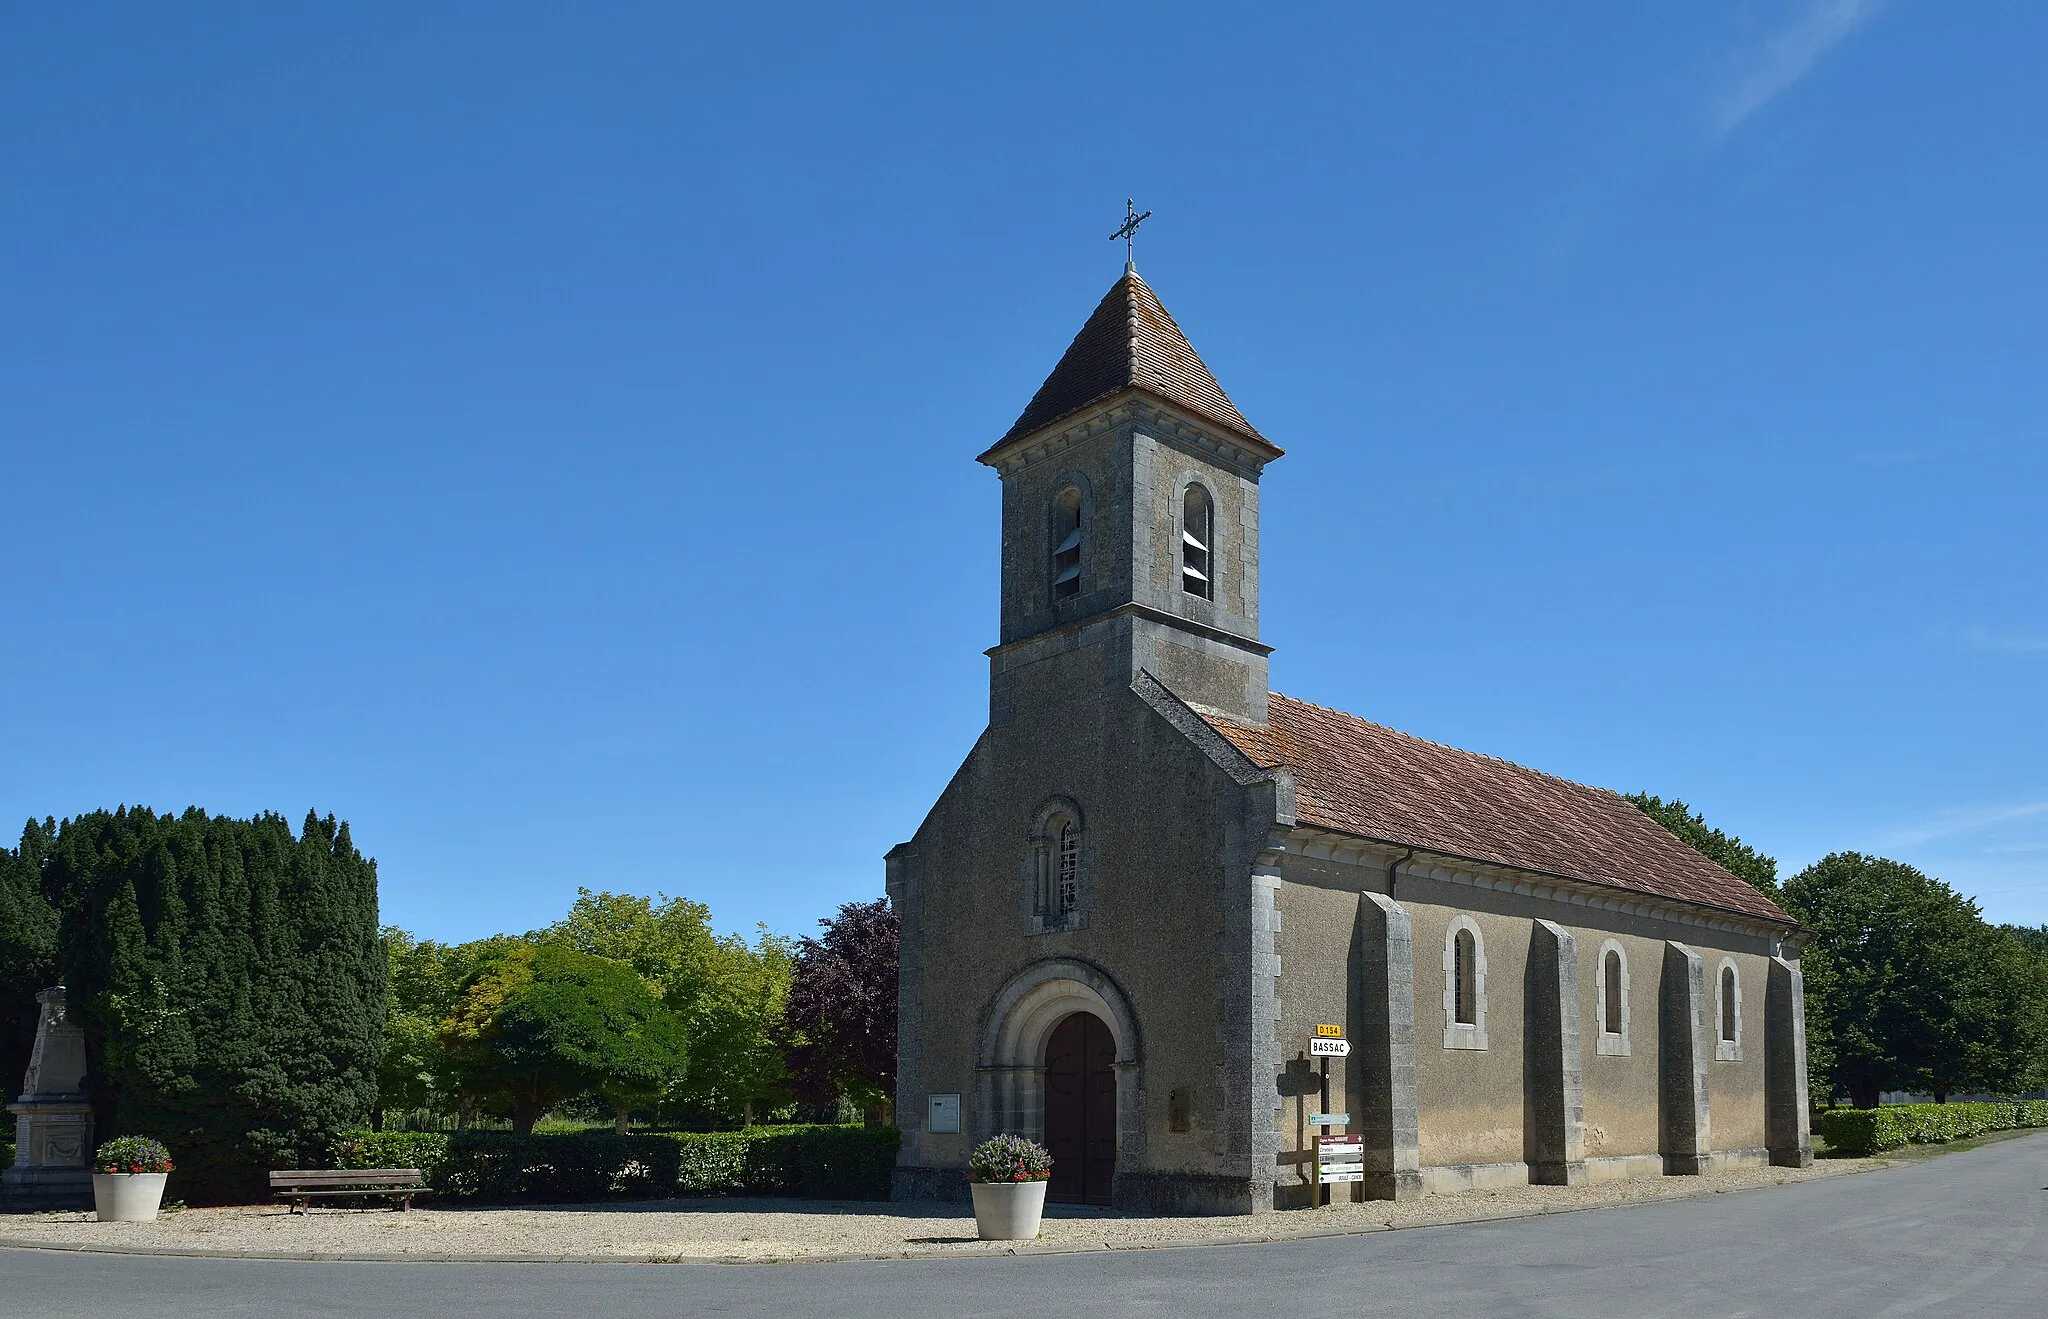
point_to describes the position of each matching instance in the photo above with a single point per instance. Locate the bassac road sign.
(1329, 1048)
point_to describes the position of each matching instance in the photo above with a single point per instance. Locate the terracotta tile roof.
(1358, 778)
(1129, 342)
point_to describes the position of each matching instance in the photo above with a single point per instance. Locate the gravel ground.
(737, 1230)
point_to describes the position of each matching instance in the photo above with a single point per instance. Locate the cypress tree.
(232, 985)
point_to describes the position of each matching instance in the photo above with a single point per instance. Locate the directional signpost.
(1337, 1158)
(1340, 1159)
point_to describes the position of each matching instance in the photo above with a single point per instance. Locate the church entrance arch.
(1080, 1110)
(1059, 1063)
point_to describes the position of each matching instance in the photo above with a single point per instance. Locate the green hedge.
(806, 1162)
(1874, 1130)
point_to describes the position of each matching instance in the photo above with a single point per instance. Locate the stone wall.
(1552, 1095)
(1166, 918)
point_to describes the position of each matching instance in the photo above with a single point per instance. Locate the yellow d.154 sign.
(1329, 1032)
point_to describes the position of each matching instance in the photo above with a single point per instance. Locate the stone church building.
(1153, 880)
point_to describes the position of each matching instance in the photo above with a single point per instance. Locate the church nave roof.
(1357, 777)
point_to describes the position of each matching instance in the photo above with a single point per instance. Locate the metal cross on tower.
(1129, 230)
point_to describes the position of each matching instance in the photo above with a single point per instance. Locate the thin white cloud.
(1963, 820)
(1787, 56)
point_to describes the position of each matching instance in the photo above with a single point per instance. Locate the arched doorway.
(1080, 1109)
(1011, 1064)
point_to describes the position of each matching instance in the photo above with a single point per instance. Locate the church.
(1157, 894)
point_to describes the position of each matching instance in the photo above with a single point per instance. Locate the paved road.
(1958, 1235)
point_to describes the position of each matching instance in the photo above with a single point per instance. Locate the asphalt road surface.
(1962, 1234)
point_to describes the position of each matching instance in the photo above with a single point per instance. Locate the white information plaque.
(945, 1114)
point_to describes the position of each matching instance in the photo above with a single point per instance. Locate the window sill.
(1727, 1051)
(1465, 1037)
(1611, 1045)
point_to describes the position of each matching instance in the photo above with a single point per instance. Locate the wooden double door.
(1080, 1110)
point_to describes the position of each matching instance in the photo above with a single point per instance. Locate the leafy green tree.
(1730, 853)
(839, 1030)
(2032, 940)
(1907, 988)
(737, 1070)
(730, 994)
(667, 940)
(541, 1023)
(426, 979)
(28, 949)
(2001, 1036)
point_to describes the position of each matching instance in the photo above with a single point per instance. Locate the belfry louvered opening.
(1197, 535)
(1066, 541)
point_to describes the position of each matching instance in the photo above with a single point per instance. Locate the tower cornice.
(1132, 609)
(1133, 405)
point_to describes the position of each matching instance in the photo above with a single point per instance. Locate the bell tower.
(1130, 523)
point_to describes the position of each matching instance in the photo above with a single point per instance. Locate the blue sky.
(543, 435)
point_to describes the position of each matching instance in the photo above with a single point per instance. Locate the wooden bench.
(301, 1186)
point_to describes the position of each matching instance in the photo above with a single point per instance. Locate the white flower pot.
(1008, 1211)
(128, 1197)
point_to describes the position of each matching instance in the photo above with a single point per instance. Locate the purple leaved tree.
(839, 1030)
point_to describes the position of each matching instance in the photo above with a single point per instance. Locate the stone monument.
(52, 1119)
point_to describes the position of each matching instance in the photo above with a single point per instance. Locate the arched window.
(1197, 538)
(1066, 543)
(1465, 1000)
(1728, 1010)
(1464, 985)
(1056, 865)
(1611, 1001)
(1067, 890)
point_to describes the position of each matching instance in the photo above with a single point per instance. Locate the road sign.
(1329, 1048)
(1329, 1119)
(1329, 1032)
(1340, 1159)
